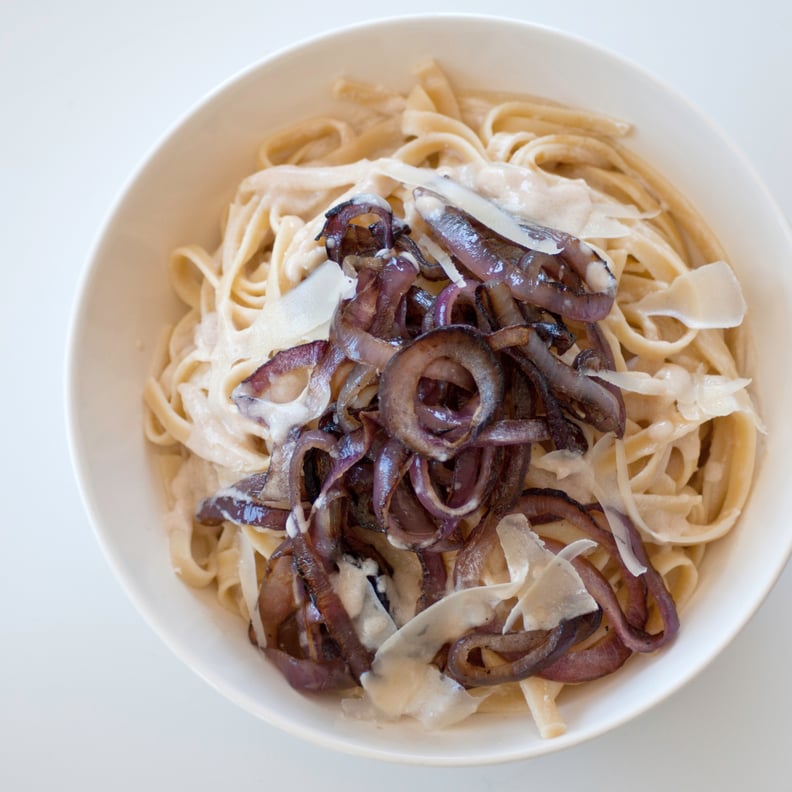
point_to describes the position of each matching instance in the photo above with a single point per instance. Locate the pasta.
(679, 470)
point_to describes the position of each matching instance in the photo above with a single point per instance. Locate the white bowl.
(178, 195)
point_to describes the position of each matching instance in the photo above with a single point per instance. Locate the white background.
(89, 697)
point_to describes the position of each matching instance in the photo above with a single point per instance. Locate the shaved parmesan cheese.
(707, 297)
(477, 206)
(548, 590)
(698, 397)
(302, 314)
(443, 259)
(542, 572)
(403, 681)
(711, 395)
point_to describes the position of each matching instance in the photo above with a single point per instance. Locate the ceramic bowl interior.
(178, 195)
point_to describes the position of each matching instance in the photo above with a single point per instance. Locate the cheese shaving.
(302, 314)
(698, 397)
(707, 297)
(403, 681)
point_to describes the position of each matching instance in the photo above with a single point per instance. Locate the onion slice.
(401, 377)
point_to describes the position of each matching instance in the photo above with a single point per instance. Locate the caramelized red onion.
(311, 570)
(313, 676)
(526, 653)
(400, 380)
(429, 441)
(575, 282)
(284, 362)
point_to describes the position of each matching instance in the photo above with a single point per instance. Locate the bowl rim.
(77, 453)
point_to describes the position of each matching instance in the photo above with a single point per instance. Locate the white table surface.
(89, 697)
